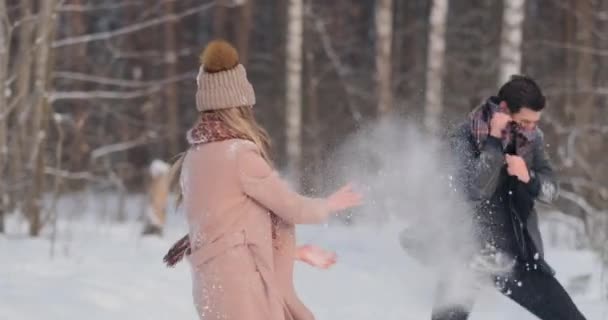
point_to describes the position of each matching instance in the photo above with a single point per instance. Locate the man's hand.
(499, 123)
(516, 166)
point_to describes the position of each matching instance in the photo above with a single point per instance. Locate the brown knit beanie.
(222, 80)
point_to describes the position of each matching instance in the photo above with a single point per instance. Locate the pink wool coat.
(238, 270)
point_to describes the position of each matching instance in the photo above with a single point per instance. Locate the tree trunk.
(294, 88)
(312, 105)
(384, 39)
(243, 34)
(79, 147)
(41, 112)
(584, 73)
(278, 74)
(512, 35)
(171, 90)
(571, 56)
(23, 73)
(589, 146)
(4, 56)
(433, 96)
(219, 21)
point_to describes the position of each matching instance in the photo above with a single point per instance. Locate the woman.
(241, 215)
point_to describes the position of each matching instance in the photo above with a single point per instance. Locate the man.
(503, 169)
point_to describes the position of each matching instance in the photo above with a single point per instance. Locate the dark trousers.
(538, 292)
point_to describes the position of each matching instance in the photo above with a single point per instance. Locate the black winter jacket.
(504, 206)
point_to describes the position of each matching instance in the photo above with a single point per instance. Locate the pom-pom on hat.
(222, 80)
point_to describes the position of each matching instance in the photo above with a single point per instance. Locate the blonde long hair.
(242, 121)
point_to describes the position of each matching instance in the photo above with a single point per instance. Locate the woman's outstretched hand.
(316, 256)
(344, 198)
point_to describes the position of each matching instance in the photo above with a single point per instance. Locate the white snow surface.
(104, 270)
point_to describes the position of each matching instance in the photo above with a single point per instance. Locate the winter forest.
(96, 97)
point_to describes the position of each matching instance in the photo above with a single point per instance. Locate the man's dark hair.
(522, 91)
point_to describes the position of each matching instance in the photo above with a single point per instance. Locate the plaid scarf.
(479, 120)
(209, 128)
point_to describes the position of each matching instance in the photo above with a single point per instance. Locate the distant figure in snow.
(241, 214)
(503, 168)
(158, 196)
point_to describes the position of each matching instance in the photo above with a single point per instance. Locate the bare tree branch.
(101, 80)
(118, 147)
(342, 71)
(586, 183)
(589, 211)
(89, 8)
(121, 82)
(102, 94)
(130, 28)
(64, 174)
(569, 46)
(598, 91)
(153, 86)
(117, 53)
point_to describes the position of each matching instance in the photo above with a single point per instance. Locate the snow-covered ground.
(101, 270)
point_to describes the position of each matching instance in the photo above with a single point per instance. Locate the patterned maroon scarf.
(479, 120)
(209, 128)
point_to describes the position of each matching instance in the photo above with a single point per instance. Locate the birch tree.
(511, 39)
(384, 39)
(433, 95)
(294, 87)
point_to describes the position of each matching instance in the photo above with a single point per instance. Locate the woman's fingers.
(345, 198)
(317, 257)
